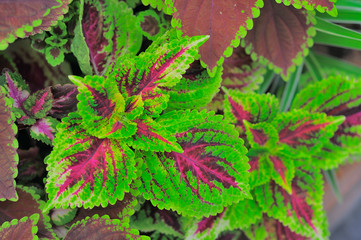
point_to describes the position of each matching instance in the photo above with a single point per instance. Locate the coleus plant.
(130, 137)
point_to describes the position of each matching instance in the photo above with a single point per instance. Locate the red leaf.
(279, 36)
(8, 144)
(223, 21)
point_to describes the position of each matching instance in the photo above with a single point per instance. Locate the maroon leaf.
(52, 18)
(64, 100)
(28, 204)
(24, 228)
(280, 36)
(320, 5)
(8, 146)
(15, 15)
(223, 21)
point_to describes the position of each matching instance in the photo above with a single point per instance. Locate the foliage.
(173, 119)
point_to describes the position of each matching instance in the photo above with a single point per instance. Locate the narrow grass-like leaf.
(331, 34)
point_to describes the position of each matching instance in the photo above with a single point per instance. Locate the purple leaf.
(64, 100)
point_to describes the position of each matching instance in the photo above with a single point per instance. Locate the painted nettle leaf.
(23, 18)
(96, 227)
(252, 107)
(9, 157)
(280, 37)
(44, 130)
(195, 90)
(211, 172)
(24, 228)
(301, 210)
(86, 170)
(92, 163)
(106, 30)
(336, 96)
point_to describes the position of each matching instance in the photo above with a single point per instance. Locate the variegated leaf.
(300, 210)
(85, 170)
(211, 172)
